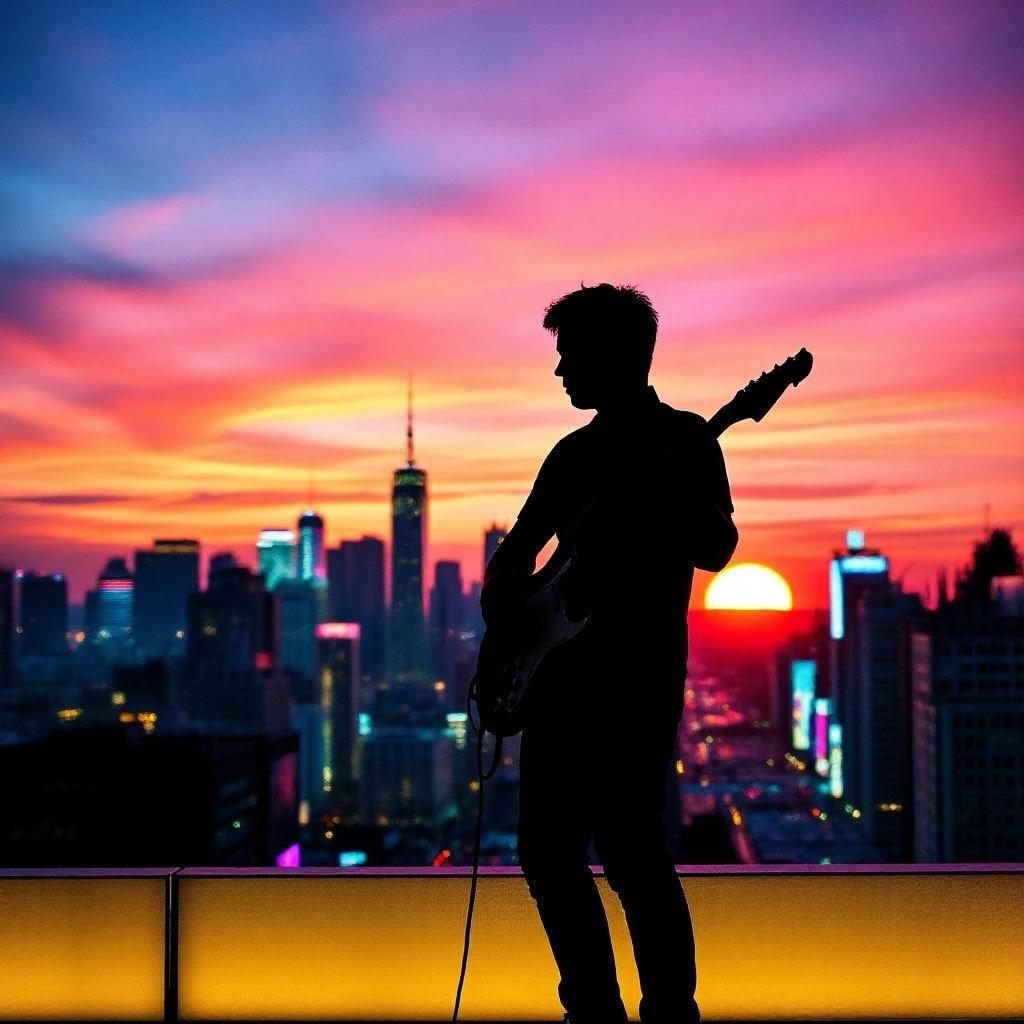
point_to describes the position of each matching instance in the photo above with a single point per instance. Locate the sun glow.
(749, 586)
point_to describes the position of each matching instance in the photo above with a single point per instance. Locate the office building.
(146, 692)
(117, 796)
(969, 741)
(407, 776)
(7, 628)
(309, 722)
(968, 717)
(44, 615)
(447, 613)
(473, 620)
(337, 649)
(884, 770)
(312, 560)
(114, 604)
(232, 683)
(493, 536)
(164, 578)
(355, 570)
(852, 573)
(276, 556)
(298, 618)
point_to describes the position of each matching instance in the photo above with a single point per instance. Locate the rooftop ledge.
(787, 942)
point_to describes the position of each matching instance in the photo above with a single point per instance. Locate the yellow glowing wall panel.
(769, 946)
(80, 948)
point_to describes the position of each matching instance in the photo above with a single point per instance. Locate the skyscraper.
(884, 768)
(337, 648)
(115, 602)
(6, 628)
(968, 716)
(275, 550)
(164, 577)
(852, 574)
(312, 560)
(407, 644)
(355, 569)
(297, 616)
(493, 536)
(446, 618)
(968, 729)
(232, 683)
(308, 720)
(44, 615)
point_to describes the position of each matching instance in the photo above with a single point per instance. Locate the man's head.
(605, 340)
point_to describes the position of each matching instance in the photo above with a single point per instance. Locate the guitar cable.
(482, 777)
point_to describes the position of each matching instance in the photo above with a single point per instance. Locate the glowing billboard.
(822, 710)
(802, 675)
(835, 758)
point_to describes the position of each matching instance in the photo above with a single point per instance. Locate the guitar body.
(510, 655)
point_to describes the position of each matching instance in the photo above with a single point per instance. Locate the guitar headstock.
(754, 401)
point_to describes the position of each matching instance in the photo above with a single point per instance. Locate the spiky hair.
(615, 315)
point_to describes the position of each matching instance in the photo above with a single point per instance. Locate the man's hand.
(501, 601)
(576, 589)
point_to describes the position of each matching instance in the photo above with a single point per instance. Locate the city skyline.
(193, 322)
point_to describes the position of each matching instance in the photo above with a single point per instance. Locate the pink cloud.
(126, 226)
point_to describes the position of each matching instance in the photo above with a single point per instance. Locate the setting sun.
(748, 585)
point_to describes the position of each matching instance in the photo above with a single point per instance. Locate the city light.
(338, 631)
(290, 857)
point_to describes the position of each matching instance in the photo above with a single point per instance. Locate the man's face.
(586, 377)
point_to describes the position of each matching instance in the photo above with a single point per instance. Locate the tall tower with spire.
(407, 647)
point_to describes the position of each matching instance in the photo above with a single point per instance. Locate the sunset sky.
(230, 231)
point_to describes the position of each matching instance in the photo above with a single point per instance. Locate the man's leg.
(629, 838)
(555, 823)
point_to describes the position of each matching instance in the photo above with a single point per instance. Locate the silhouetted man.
(604, 708)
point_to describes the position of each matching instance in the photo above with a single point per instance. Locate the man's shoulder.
(575, 440)
(684, 420)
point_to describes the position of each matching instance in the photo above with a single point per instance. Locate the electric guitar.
(509, 657)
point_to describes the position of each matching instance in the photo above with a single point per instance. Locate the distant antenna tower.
(409, 458)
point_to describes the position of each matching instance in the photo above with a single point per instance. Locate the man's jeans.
(601, 774)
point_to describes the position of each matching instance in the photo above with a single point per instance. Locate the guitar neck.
(721, 421)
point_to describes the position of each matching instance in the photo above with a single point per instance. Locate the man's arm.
(685, 503)
(515, 558)
(713, 535)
